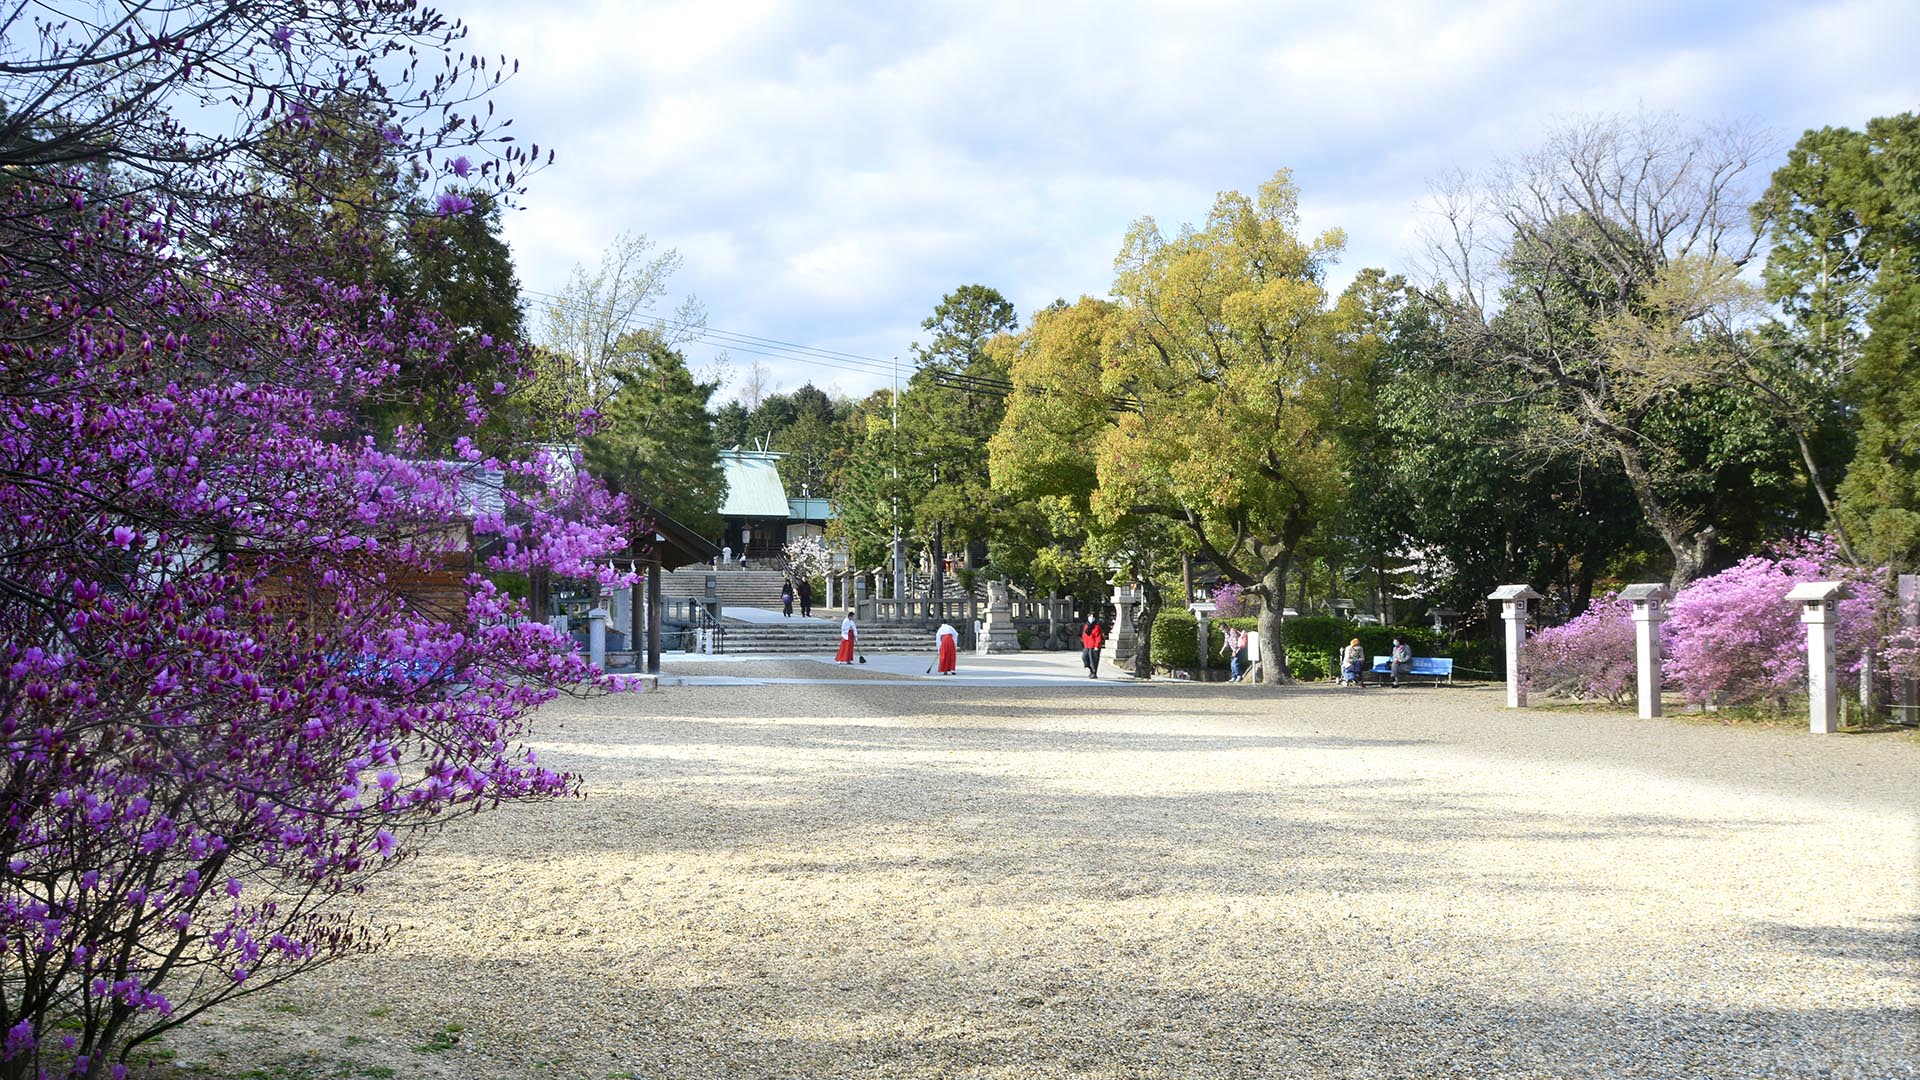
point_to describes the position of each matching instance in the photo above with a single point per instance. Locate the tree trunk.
(1273, 653)
(1690, 552)
(1382, 595)
(939, 597)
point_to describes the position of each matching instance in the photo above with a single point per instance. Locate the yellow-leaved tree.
(1225, 373)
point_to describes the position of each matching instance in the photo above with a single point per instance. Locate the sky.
(828, 171)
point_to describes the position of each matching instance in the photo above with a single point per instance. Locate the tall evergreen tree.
(1845, 213)
(655, 442)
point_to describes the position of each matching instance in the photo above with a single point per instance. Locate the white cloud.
(829, 170)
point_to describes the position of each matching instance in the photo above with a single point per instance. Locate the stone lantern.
(1649, 611)
(1514, 606)
(1125, 640)
(1819, 603)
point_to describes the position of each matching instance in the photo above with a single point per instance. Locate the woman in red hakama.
(848, 635)
(948, 640)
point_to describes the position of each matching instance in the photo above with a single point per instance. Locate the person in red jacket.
(1091, 638)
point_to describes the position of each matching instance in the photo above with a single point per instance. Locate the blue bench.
(1433, 667)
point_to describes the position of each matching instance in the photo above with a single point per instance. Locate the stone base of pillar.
(998, 635)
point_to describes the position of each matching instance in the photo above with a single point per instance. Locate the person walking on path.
(849, 635)
(1234, 644)
(1091, 638)
(806, 598)
(1353, 664)
(1399, 660)
(946, 642)
(786, 598)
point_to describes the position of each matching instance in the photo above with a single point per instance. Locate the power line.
(776, 349)
(752, 344)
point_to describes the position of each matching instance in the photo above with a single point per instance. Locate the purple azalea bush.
(249, 652)
(1589, 657)
(1231, 602)
(1733, 638)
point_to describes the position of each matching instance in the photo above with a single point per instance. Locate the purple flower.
(283, 38)
(462, 167)
(383, 840)
(449, 204)
(19, 1040)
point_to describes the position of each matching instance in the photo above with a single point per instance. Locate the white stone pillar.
(1649, 611)
(1202, 610)
(597, 637)
(1514, 600)
(1820, 610)
(1906, 709)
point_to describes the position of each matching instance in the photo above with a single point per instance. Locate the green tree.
(1438, 476)
(1612, 292)
(1845, 268)
(1041, 461)
(815, 443)
(586, 330)
(1232, 373)
(871, 497)
(963, 322)
(655, 440)
(948, 411)
(349, 201)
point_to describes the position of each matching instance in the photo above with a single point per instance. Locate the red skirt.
(949, 656)
(845, 655)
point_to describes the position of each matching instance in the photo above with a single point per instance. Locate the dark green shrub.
(1323, 632)
(1309, 665)
(1476, 655)
(1378, 640)
(1174, 644)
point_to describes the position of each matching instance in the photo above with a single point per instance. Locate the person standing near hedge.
(1092, 637)
(1234, 644)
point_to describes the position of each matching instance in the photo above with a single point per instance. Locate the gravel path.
(1140, 881)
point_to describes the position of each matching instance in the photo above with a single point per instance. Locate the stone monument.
(1000, 635)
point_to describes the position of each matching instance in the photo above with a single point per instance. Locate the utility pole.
(899, 553)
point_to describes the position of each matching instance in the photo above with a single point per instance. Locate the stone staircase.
(817, 640)
(737, 588)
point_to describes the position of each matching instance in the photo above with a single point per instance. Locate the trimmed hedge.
(1174, 644)
(1312, 642)
(1309, 665)
(1322, 632)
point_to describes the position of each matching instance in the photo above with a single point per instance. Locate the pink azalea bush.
(1733, 637)
(1900, 655)
(1589, 657)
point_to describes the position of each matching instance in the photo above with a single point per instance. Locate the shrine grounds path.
(924, 878)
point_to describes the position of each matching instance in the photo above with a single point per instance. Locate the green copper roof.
(753, 485)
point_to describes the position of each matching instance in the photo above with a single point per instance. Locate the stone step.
(735, 588)
(761, 637)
